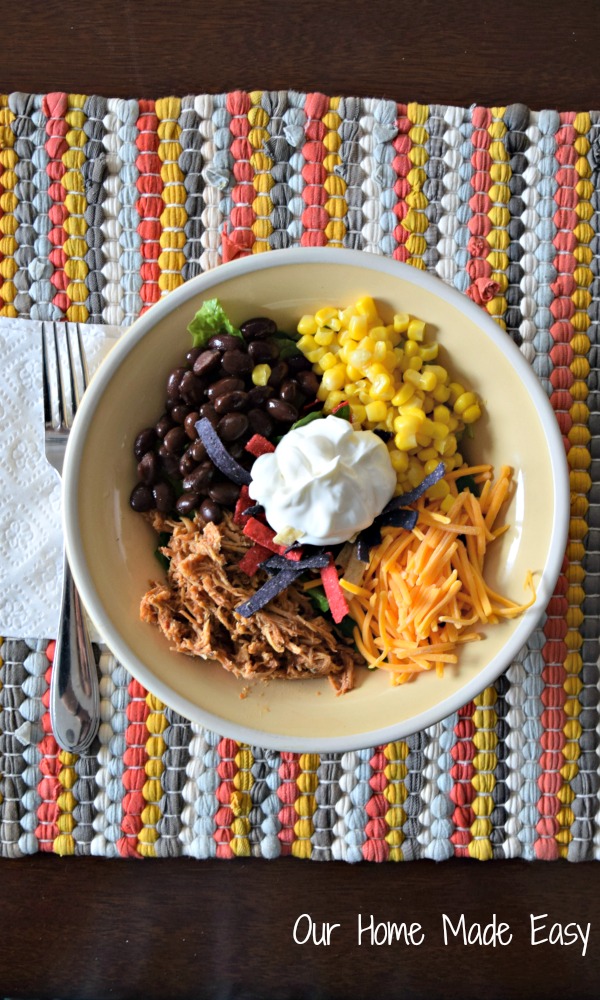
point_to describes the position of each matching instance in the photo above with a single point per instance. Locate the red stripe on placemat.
(287, 793)
(239, 242)
(134, 778)
(224, 816)
(55, 107)
(462, 792)
(149, 205)
(402, 166)
(482, 289)
(376, 847)
(49, 787)
(315, 216)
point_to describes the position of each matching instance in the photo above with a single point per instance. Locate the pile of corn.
(388, 375)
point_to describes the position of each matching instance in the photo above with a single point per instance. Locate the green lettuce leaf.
(210, 319)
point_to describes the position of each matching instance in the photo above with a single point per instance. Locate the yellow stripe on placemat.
(8, 206)
(499, 214)
(262, 180)
(336, 205)
(241, 802)
(396, 794)
(485, 761)
(64, 843)
(415, 221)
(174, 216)
(75, 224)
(156, 723)
(306, 804)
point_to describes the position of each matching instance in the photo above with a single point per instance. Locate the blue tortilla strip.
(280, 562)
(367, 539)
(253, 511)
(413, 495)
(274, 586)
(402, 518)
(218, 453)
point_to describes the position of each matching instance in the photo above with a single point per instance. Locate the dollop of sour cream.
(324, 480)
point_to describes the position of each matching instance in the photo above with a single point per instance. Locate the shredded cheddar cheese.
(424, 592)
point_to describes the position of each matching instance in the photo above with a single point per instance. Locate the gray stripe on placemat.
(84, 791)
(177, 737)
(191, 163)
(328, 792)
(516, 118)
(351, 170)
(94, 172)
(12, 764)
(500, 791)
(23, 128)
(433, 188)
(411, 848)
(277, 147)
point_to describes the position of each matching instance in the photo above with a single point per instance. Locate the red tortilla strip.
(258, 445)
(333, 592)
(243, 502)
(252, 559)
(262, 534)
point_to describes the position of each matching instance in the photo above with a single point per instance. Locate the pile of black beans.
(175, 474)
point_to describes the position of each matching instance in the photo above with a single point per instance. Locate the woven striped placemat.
(105, 206)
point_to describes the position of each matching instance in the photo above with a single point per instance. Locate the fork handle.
(74, 693)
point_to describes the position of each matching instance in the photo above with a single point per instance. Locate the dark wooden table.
(90, 928)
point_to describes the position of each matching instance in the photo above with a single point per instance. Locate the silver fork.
(74, 696)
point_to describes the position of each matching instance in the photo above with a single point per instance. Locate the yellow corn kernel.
(439, 490)
(359, 413)
(429, 352)
(261, 374)
(416, 330)
(440, 373)
(441, 413)
(358, 327)
(335, 324)
(458, 460)
(437, 431)
(323, 316)
(463, 402)
(351, 389)
(334, 378)
(415, 378)
(399, 460)
(382, 388)
(424, 442)
(366, 307)
(316, 355)
(450, 446)
(389, 419)
(355, 374)
(324, 337)
(328, 361)
(343, 354)
(447, 503)
(401, 321)
(322, 393)
(432, 463)
(378, 333)
(415, 475)
(306, 343)
(453, 423)
(411, 349)
(404, 395)
(334, 398)
(428, 404)
(428, 381)
(381, 352)
(376, 411)
(374, 370)
(345, 315)
(471, 414)
(410, 413)
(441, 393)
(307, 325)
(365, 396)
(390, 361)
(456, 390)
(405, 439)
(360, 359)
(415, 363)
(427, 455)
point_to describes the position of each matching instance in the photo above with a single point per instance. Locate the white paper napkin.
(30, 529)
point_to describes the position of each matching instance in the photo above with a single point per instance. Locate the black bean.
(148, 469)
(261, 351)
(278, 374)
(144, 442)
(260, 422)
(206, 362)
(142, 498)
(192, 389)
(237, 450)
(232, 426)
(207, 410)
(169, 462)
(189, 424)
(174, 382)
(175, 439)
(230, 401)
(211, 511)
(197, 451)
(188, 502)
(198, 480)
(224, 342)
(192, 354)
(164, 425)
(259, 394)
(258, 328)
(298, 363)
(224, 385)
(236, 363)
(309, 383)
(187, 463)
(291, 392)
(164, 497)
(279, 410)
(179, 413)
(224, 493)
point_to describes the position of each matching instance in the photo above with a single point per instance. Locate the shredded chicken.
(195, 611)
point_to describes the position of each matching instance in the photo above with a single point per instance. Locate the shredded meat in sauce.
(195, 611)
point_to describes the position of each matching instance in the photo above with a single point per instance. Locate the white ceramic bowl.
(111, 549)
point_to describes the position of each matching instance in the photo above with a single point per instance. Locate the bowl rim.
(202, 284)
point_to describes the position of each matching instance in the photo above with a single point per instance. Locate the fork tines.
(65, 373)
